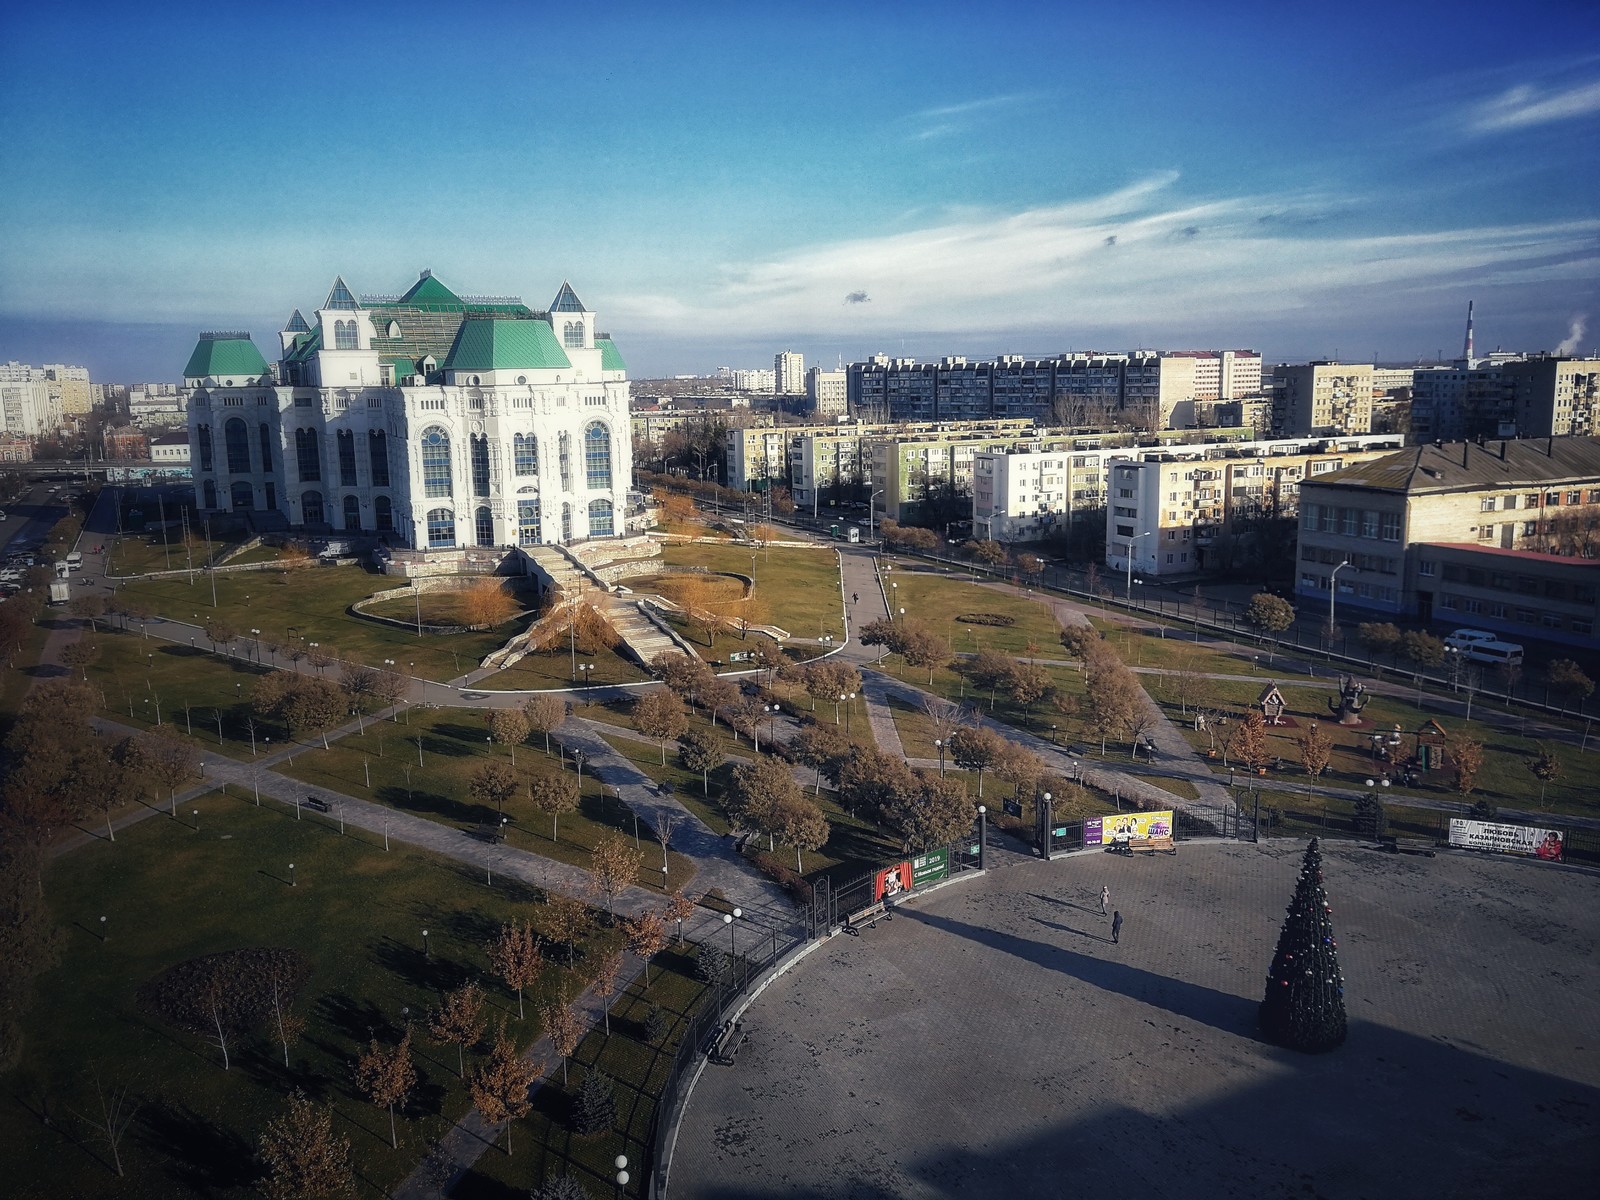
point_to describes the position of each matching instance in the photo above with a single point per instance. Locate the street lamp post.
(1333, 593)
(588, 679)
(938, 744)
(728, 920)
(427, 950)
(870, 511)
(291, 874)
(622, 1173)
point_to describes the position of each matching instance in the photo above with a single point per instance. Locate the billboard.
(891, 881)
(1105, 831)
(1507, 839)
(930, 867)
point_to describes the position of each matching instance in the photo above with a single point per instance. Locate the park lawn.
(1142, 644)
(142, 553)
(454, 746)
(687, 786)
(1300, 814)
(264, 553)
(309, 605)
(1042, 719)
(1181, 788)
(171, 893)
(188, 687)
(438, 608)
(940, 598)
(638, 1070)
(799, 586)
(553, 671)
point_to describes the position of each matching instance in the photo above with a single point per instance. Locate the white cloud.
(1525, 105)
(943, 120)
(1059, 268)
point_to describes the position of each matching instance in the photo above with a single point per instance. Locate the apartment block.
(1376, 516)
(789, 373)
(830, 462)
(827, 393)
(1321, 399)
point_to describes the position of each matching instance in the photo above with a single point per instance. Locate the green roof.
(215, 356)
(610, 356)
(305, 346)
(429, 291)
(499, 344)
(403, 367)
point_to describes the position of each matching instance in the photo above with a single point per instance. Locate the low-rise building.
(126, 443)
(170, 449)
(14, 448)
(1519, 594)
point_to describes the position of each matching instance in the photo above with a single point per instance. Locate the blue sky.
(722, 181)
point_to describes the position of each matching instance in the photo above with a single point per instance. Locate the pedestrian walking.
(1116, 928)
(1105, 901)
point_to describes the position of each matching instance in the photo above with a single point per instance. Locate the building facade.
(789, 373)
(827, 393)
(1321, 399)
(1503, 495)
(432, 420)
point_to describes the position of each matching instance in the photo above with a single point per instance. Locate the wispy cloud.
(1526, 105)
(943, 120)
(1125, 257)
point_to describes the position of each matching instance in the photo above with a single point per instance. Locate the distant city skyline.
(721, 185)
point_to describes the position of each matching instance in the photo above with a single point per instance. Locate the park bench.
(726, 1042)
(868, 916)
(1392, 845)
(1151, 845)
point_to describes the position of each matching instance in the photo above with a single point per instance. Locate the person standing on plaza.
(1105, 901)
(1116, 928)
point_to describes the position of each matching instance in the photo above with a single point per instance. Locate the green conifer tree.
(1304, 1005)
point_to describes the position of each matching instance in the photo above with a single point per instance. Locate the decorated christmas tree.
(1304, 1005)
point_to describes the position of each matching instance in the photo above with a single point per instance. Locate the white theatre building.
(431, 420)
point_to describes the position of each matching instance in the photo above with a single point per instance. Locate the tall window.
(352, 514)
(600, 518)
(266, 447)
(528, 522)
(597, 455)
(383, 514)
(311, 508)
(436, 464)
(202, 436)
(479, 448)
(308, 455)
(525, 454)
(566, 522)
(572, 334)
(441, 529)
(209, 491)
(347, 458)
(237, 439)
(483, 526)
(344, 335)
(378, 455)
(563, 443)
(243, 496)
(272, 496)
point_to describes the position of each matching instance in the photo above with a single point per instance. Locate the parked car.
(1499, 654)
(1462, 638)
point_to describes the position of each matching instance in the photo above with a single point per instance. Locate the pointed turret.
(567, 301)
(292, 331)
(339, 296)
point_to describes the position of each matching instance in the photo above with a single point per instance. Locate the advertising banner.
(930, 867)
(1105, 831)
(1506, 839)
(891, 881)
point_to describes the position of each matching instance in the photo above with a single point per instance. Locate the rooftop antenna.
(1466, 346)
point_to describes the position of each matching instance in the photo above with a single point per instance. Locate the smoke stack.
(1466, 348)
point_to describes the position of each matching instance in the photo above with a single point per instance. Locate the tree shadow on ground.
(457, 741)
(200, 1153)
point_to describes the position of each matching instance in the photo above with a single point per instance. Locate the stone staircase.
(556, 568)
(642, 636)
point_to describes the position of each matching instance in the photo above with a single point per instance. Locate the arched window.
(344, 335)
(378, 456)
(243, 497)
(478, 447)
(347, 458)
(528, 522)
(441, 529)
(352, 514)
(266, 447)
(308, 454)
(597, 455)
(311, 508)
(525, 452)
(209, 491)
(237, 438)
(566, 522)
(202, 437)
(436, 464)
(600, 518)
(572, 334)
(393, 329)
(483, 526)
(383, 514)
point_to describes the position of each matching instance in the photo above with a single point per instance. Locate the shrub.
(655, 1024)
(245, 977)
(595, 1108)
(997, 619)
(710, 963)
(785, 877)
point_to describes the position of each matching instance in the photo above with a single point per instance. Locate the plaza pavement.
(991, 1043)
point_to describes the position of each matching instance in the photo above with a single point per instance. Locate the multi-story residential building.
(28, 408)
(1376, 515)
(1321, 399)
(1546, 396)
(789, 373)
(155, 409)
(1169, 506)
(758, 382)
(1145, 390)
(434, 420)
(827, 393)
(71, 386)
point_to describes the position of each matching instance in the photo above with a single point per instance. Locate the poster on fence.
(929, 867)
(1506, 839)
(1106, 831)
(891, 881)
